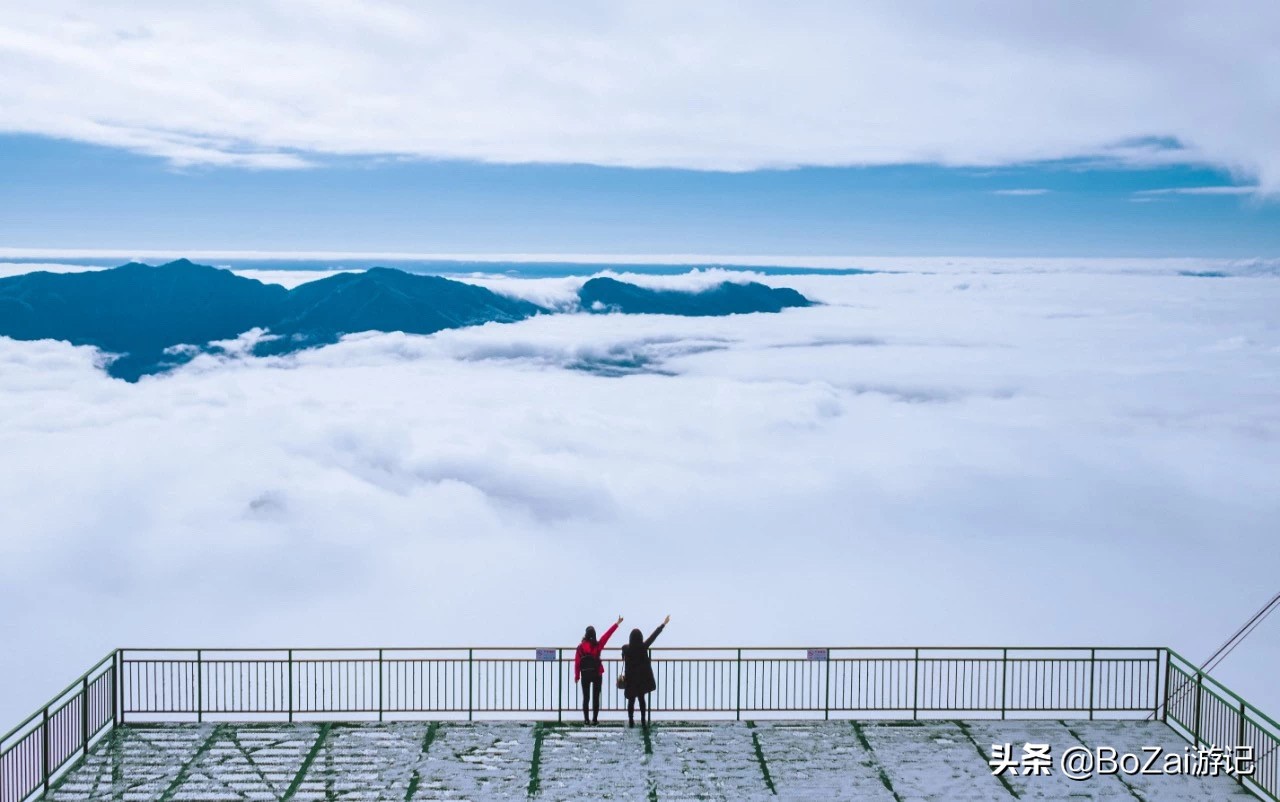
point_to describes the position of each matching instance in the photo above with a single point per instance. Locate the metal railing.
(190, 685)
(33, 753)
(199, 684)
(1206, 712)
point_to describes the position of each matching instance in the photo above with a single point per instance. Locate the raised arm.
(609, 633)
(657, 632)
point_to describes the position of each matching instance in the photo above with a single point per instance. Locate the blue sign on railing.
(818, 654)
(546, 655)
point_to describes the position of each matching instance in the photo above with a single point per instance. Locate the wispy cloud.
(1022, 192)
(1218, 190)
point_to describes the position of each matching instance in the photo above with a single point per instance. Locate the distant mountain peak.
(143, 314)
(604, 294)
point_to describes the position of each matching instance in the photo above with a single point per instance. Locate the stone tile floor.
(833, 760)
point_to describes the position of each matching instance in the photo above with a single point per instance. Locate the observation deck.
(825, 723)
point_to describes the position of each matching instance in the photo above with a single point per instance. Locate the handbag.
(622, 682)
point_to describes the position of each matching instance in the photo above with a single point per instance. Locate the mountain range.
(154, 318)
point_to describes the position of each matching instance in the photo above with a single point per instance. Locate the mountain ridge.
(141, 313)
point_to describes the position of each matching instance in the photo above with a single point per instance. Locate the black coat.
(638, 667)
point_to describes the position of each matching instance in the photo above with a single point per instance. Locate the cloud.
(1078, 440)
(1021, 192)
(8, 269)
(1220, 190)
(718, 85)
(588, 262)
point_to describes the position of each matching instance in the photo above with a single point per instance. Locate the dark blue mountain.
(381, 299)
(137, 310)
(142, 313)
(728, 298)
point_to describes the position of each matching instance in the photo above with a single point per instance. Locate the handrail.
(1204, 676)
(1091, 672)
(57, 736)
(530, 648)
(57, 696)
(171, 683)
(1206, 712)
(192, 683)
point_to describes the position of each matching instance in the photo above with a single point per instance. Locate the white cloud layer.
(290, 277)
(1216, 190)
(979, 457)
(723, 85)
(1030, 191)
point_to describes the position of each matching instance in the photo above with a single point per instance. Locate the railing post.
(470, 683)
(1240, 740)
(1004, 682)
(381, 703)
(1168, 691)
(44, 750)
(826, 703)
(560, 680)
(84, 713)
(1199, 693)
(199, 685)
(1093, 660)
(291, 685)
(117, 670)
(737, 707)
(915, 696)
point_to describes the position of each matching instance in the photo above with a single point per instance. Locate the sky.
(814, 128)
(57, 195)
(1034, 428)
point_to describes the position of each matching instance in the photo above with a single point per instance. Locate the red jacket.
(587, 648)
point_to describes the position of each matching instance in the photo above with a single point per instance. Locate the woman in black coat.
(638, 670)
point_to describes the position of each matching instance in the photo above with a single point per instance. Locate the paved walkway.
(402, 762)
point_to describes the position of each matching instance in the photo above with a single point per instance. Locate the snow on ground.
(940, 761)
(591, 762)
(920, 760)
(804, 756)
(1058, 786)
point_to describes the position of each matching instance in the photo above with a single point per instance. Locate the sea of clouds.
(970, 456)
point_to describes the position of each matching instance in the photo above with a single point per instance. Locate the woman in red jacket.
(588, 668)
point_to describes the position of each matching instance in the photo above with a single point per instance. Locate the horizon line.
(710, 259)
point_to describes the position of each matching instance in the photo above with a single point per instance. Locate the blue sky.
(642, 127)
(61, 194)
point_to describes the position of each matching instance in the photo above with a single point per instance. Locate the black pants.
(590, 698)
(631, 709)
